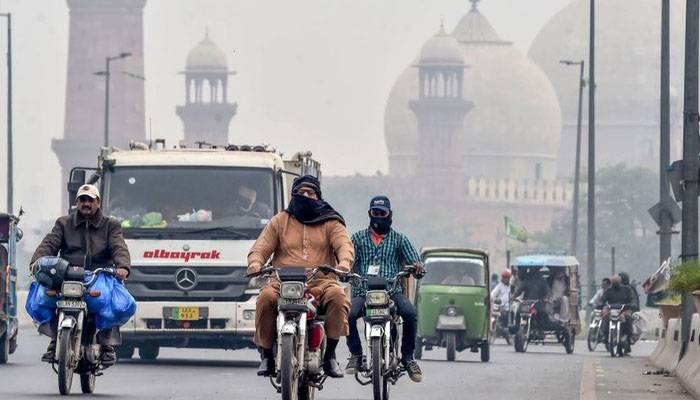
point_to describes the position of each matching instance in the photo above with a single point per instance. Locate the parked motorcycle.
(497, 327)
(301, 337)
(383, 330)
(77, 350)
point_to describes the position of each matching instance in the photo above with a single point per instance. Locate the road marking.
(588, 384)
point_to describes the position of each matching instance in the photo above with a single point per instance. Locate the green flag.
(515, 231)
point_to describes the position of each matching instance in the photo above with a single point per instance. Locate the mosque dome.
(206, 56)
(441, 49)
(515, 123)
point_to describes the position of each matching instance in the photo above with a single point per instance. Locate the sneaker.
(413, 370)
(353, 364)
(107, 356)
(50, 355)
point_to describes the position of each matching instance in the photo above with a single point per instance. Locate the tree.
(623, 196)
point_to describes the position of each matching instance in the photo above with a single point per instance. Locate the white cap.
(88, 190)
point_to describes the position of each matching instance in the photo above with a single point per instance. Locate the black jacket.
(620, 295)
(533, 289)
(71, 234)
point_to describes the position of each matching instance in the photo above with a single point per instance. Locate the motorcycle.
(77, 350)
(594, 332)
(383, 330)
(301, 336)
(618, 343)
(529, 331)
(496, 327)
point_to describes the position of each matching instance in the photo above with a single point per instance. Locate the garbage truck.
(189, 217)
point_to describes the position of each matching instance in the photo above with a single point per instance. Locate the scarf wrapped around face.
(310, 211)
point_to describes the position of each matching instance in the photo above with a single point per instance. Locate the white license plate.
(377, 312)
(71, 304)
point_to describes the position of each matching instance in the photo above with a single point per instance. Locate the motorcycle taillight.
(316, 335)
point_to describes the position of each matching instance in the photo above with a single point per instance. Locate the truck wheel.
(485, 352)
(149, 352)
(418, 352)
(125, 351)
(5, 347)
(451, 344)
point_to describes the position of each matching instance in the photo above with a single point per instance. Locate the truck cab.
(189, 217)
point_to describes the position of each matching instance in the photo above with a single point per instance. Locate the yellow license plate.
(185, 313)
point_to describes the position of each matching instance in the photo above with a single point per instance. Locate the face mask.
(381, 225)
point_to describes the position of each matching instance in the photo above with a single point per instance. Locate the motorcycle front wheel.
(378, 380)
(612, 342)
(65, 360)
(592, 338)
(288, 367)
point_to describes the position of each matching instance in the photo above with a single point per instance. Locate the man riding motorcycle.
(533, 286)
(619, 294)
(309, 233)
(86, 238)
(502, 292)
(382, 251)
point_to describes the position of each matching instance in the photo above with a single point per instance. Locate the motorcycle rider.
(309, 233)
(502, 292)
(597, 299)
(619, 294)
(383, 251)
(625, 280)
(533, 286)
(105, 247)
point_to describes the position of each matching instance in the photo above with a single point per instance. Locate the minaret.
(207, 113)
(101, 29)
(440, 110)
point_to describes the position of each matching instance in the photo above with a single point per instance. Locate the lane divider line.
(588, 383)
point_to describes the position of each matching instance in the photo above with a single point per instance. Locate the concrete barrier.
(689, 364)
(660, 334)
(668, 357)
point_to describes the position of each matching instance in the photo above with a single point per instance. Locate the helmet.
(506, 274)
(50, 271)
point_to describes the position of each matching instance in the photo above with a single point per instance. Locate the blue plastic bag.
(123, 303)
(40, 306)
(120, 306)
(104, 284)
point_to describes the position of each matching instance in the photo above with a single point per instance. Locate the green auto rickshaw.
(453, 302)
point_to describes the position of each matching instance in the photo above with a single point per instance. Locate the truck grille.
(159, 283)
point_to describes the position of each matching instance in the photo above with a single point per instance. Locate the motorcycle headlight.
(72, 289)
(377, 298)
(292, 290)
(451, 312)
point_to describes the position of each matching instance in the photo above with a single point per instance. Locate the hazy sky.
(312, 74)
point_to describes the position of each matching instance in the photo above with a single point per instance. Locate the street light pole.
(591, 154)
(665, 219)
(691, 164)
(577, 170)
(10, 151)
(106, 73)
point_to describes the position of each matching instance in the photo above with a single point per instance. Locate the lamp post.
(106, 74)
(590, 237)
(577, 171)
(10, 180)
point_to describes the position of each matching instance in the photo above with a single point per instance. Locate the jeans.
(405, 310)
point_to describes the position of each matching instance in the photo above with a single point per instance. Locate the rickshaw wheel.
(485, 352)
(572, 342)
(418, 352)
(451, 344)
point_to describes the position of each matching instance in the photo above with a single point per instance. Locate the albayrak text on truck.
(183, 255)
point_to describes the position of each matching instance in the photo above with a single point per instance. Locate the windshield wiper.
(222, 231)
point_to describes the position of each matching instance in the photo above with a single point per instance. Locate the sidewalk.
(624, 379)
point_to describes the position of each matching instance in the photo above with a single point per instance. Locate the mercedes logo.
(185, 279)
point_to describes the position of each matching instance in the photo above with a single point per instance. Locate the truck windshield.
(221, 202)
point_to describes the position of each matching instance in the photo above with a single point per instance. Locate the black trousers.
(405, 310)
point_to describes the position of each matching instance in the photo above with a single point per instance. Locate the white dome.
(206, 56)
(516, 115)
(441, 49)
